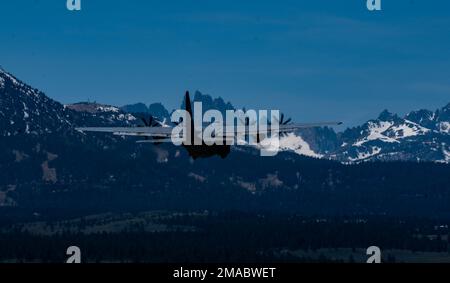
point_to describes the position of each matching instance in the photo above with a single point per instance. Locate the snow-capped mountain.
(47, 165)
(421, 135)
(27, 111)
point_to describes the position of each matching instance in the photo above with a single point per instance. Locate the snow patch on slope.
(104, 108)
(18, 84)
(295, 143)
(365, 155)
(25, 111)
(290, 142)
(13, 79)
(376, 131)
(409, 129)
(390, 133)
(444, 127)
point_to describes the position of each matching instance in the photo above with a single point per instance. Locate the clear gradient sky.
(313, 59)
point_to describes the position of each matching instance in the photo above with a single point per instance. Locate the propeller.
(282, 122)
(148, 120)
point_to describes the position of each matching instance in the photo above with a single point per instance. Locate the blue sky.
(314, 60)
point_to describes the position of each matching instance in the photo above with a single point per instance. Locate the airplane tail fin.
(187, 101)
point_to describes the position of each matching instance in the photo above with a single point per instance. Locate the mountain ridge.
(421, 135)
(53, 169)
(418, 135)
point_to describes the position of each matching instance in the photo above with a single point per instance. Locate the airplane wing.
(297, 126)
(166, 132)
(284, 128)
(131, 131)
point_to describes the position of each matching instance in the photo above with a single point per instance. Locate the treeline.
(231, 237)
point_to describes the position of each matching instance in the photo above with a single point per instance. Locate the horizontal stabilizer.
(155, 141)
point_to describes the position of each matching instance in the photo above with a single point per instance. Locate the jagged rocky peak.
(158, 110)
(208, 102)
(422, 117)
(386, 115)
(421, 135)
(443, 114)
(443, 120)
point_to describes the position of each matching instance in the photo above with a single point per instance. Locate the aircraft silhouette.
(156, 132)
